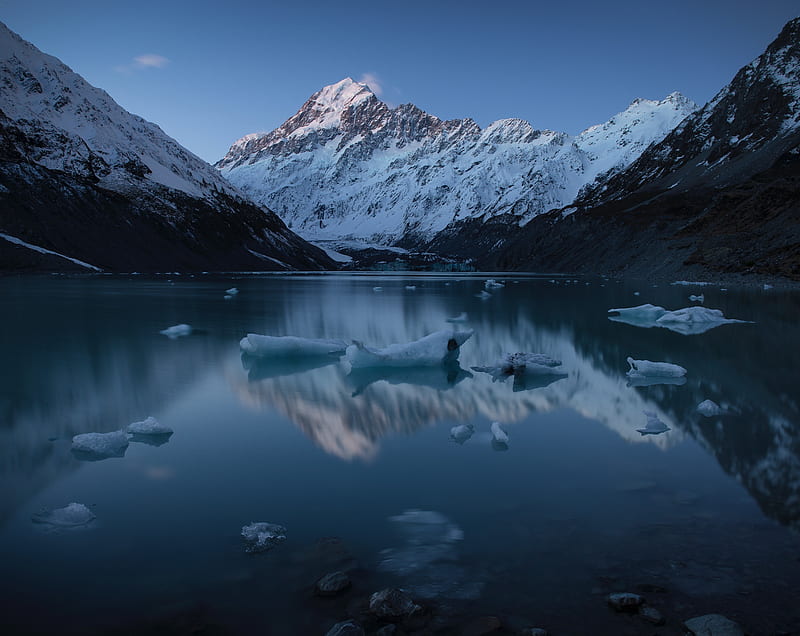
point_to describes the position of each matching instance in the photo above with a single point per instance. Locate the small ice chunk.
(700, 298)
(654, 425)
(498, 434)
(483, 295)
(377, 289)
(767, 286)
(461, 433)
(491, 283)
(637, 293)
(232, 291)
(149, 426)
(434, 349)
(176, 331)
(285, 346)
(521, 363)
(73, 515)
(261, 536)
(654, 369)
(100, 445)
(708, 408)
(462, 317)
(411, 287)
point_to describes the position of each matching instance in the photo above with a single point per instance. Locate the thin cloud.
(374, 83)
(142, 62)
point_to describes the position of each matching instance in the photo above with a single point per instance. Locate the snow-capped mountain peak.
(348, 166)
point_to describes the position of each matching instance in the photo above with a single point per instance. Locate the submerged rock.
(651, 615)
(625, 601)
(261, 536)
(713, 625)
(346, 628)
(73, 515)
(332, 584)
(392, 603)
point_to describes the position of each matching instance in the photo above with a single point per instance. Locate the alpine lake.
(363, 467)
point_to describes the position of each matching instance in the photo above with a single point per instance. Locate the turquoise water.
(578, 505)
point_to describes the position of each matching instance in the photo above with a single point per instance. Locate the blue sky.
(210, 72)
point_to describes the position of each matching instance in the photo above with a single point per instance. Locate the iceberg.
(483, 295)
(287, 346)
(645, 368)
(708, 408)
(461, 433)
(97, 446)
(498, 434)
(261, 536)
(74, 515)
(434, 349)
(232, 291)
(149, 426)
(491, 283)
(462, 317)
(176, 331)
(639, 316)
(654, 425)
(687, 321)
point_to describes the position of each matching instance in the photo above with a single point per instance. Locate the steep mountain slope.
(82, 177)
(348, 166)
(720, 193)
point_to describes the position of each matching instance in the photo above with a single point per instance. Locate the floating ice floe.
(232, 291)
(654, 369)
(461, 433)
(287, 346)
(687, 321)
(149, 426)
(462, 317)
(261, 536)
(654, 425)
(498, 434)
(377, 289)
(708, 408)
(483, 295)
(767, 286)
(700, 298)
(74, 515)
(411, 287)
(491, 283)
(96, 446)
(432, 350)
(176, 331)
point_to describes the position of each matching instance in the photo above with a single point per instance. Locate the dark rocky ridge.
(82, 177)
(719, 195)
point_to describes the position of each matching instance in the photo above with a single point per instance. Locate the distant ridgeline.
(660, 188)
(87, 186)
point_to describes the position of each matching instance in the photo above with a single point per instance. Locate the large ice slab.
(261, 536)
(287, 346)
(96, 446)
(645, 368)
(177, 331)
(687, 321)
(74, 515)
(434, 349)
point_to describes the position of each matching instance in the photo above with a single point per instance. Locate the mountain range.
(663, 188)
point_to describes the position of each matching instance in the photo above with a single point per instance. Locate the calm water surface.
(700, 519)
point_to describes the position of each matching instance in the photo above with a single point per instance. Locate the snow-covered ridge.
(84, 131)
(348, 166)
